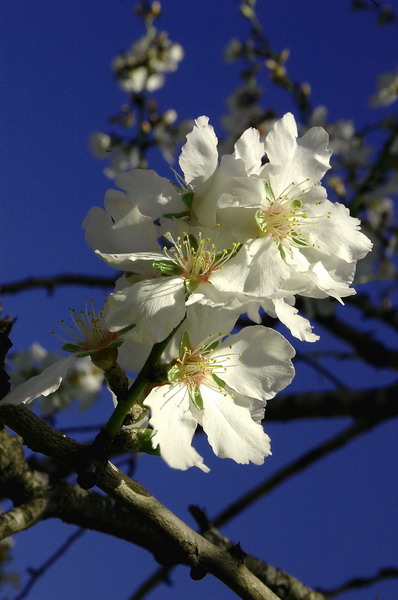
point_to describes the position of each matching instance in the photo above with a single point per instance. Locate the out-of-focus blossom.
(387, 91)
(348, 148)
(83, 380)
(142, 67)
(100, 144)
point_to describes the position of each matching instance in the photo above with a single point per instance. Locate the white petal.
(199, 156)
(267, 270)
(156, 306)
(133, 353)
(300, 327)
(204, 322)
(229, 187)
(152, 194)
(250, 150)
(43, 384)
(292, 159)
(137, 262)
(231, 431)
(207, 295)
(119, 230)
(336, 233)
(259, 365)
(174, 426)
(324, 282)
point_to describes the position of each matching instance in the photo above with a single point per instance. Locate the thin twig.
(360, 582)
(293, 468)
(314, 363)
(35, 574)
(52, 282)
(160, 576)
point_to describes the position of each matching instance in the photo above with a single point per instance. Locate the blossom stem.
(144, 377)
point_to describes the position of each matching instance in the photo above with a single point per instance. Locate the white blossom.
(142, 67)
(220, 384)
(387, 91)
(82, 381)
(293, 240)
(89, 338)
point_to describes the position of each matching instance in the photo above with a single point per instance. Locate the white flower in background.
(100, 144)
(83, 380)
(142, 67)
(348, 147)
(387, 89)
(90, 338)
(220, 384)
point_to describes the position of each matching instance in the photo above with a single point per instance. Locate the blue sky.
(338, 519)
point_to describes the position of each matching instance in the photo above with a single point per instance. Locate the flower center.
(196, 258)
(282, 218)
(196, 366)
(87, 332)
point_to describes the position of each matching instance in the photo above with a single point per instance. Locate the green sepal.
(187, 198)
(144, 442)
(260, 220)
(212, 346)
(174, 375)
(116, 343)
(219, 381)
(268, 191)
(185, 344)
(195, 396)
(167, 268)
(77, 349)
(191, 285)
(125, 330)
(192, 241)
(299, 242)
(179, 215)
(73, 349)
(281, 251)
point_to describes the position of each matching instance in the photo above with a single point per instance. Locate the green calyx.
(195, 396)
(167, 268)
(187, 198)
(175, 373)
(77, 348)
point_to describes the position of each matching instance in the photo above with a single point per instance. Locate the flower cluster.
(243, 233)
(142, 67)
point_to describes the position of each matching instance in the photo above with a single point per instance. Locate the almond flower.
(253, 229)
(293, 240)
(89, 338)
(220, 384)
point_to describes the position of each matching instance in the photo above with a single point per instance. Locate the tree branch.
(366, 348)
(281, 583)
(184, 545)
(22, 517)
(372, 404)
(35, 574)
(293, 468)
(52, 282)
(360, 582)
